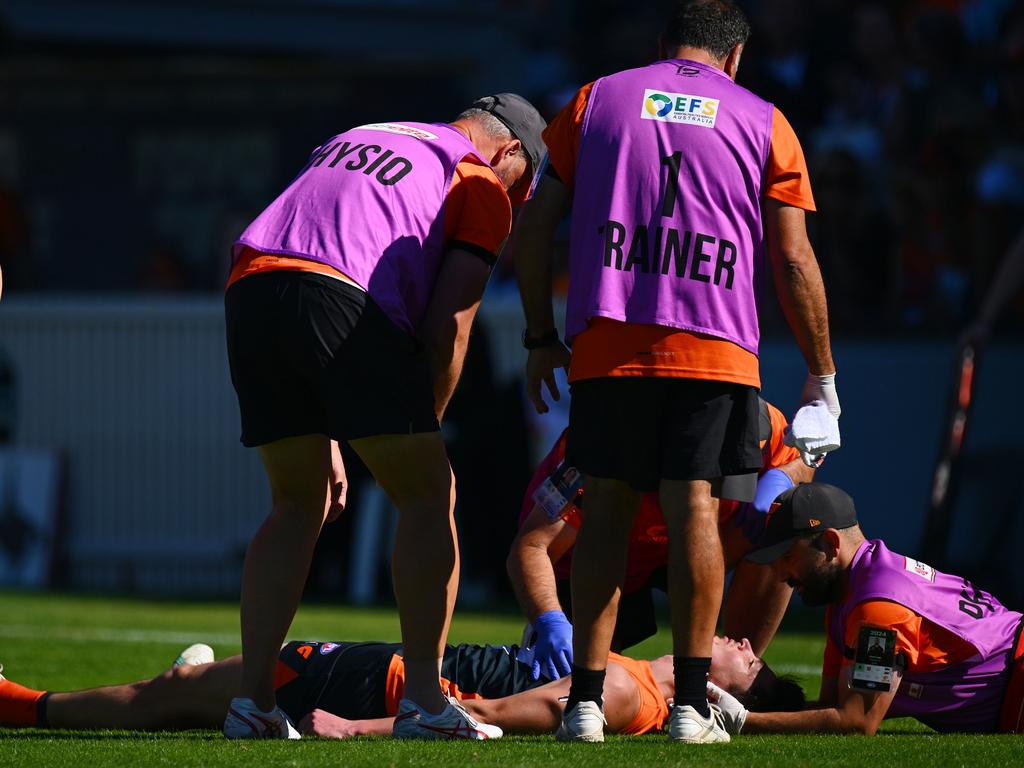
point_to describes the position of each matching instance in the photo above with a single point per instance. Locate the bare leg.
(184, 697)
(696, 567)
(414, 472)
(278, 559)
(599, 566)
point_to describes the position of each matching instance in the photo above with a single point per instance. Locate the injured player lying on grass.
(337, 690)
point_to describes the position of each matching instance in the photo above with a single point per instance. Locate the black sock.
(587, 685)
(691, 675)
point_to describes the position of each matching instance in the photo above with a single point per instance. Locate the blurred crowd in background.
(129, 163)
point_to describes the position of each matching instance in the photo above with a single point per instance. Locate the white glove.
(734, 714)
(822, 388)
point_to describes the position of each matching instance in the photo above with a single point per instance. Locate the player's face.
(734, 665)
(814, 576)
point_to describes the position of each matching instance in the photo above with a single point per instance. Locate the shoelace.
(458, 705)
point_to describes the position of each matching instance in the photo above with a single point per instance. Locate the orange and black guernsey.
(361, 681)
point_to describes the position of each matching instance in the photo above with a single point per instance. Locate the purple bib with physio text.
(666, 223)
(370, 203)
(966, 696)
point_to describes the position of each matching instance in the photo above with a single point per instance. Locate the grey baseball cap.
(520, 117)
(802, 511)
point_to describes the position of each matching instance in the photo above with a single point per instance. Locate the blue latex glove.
(751, 516)
(552, 652)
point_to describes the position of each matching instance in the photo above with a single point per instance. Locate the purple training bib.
(666, 223)
(370, 203)
(960, 697)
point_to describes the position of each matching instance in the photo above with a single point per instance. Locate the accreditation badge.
(874, 659)
(563, 487)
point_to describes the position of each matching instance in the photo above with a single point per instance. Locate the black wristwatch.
(539, 342)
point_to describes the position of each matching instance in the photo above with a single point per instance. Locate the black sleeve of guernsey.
(477, 250)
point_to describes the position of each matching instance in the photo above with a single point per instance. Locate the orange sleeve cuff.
(562, 136)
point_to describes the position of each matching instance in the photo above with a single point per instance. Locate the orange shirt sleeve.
(927, 645)
(779, 454)
(562, 136)
(477, 210)
(786, 177)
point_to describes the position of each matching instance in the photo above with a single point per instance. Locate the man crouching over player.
(337, 690)
(904, 640)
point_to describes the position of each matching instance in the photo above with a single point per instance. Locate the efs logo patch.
(327, 648)
(679, 108)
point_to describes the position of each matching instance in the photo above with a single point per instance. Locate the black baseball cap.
(520, 117)
(801, 511)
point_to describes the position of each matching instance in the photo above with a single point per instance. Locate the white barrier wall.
(162, 497)
(136, 393)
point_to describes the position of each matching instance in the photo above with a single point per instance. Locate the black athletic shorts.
(636, 620)
(643, 430)
(350, 679)
(311, 354)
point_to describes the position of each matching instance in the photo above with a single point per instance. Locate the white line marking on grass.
(797, 669)
(107, 635)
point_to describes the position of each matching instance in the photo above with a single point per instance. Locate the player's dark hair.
(774, 694)
(715, 26)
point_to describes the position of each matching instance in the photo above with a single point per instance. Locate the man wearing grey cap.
(903, 639)
(348, 312)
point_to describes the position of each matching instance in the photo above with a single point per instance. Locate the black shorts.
(643, 430)
(311, 354)
(345, 679)
(350, 680)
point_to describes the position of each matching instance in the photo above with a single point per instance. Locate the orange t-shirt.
(653, 711)
(477, 211)
(613, 348)
(926, 645)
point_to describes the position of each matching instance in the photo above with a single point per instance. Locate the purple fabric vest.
(666, 222)
(961, 697)
(370, 203)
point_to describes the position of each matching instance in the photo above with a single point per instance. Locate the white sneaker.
(685, 724)
(246, 721)
(2, 678)
(452, 722)
(194, 655)
(584, 722)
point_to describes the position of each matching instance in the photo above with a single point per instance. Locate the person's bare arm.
(539, 544)
(532, 238)
(854, 712)
(328, 726)
(449, 317)
(798, 283)
(339, 485)
(539, 710)
(798, 472)
(755, 601)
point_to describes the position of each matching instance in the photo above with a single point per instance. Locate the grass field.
(65, 642)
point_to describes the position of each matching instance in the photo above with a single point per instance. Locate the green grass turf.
(63, 642)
